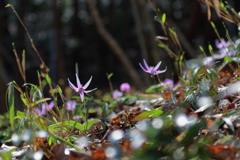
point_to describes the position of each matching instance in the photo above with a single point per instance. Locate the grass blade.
(10, 102)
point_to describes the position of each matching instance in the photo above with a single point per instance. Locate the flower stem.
(159, 81)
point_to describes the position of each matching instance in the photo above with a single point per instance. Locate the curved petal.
(82, 96)
(145, 63)
(142, 68)
(50, 106)
(71, 85)
(87, 84)
(158, 72)
(78, 82)
(157, 66)
(90, 90)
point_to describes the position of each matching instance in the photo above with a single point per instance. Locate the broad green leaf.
(7, 155)
(10, 100)
(89, 124)
(227, 59)
(154, 88)
(20, 115)
(71, 123)
(148, 114)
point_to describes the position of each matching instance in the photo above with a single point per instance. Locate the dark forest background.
(65, 33)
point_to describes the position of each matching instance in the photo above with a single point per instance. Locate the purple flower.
(208, 61)
(45, 107)
(71, 105)
(116, 94)
(80, 88)
(169, 83)
(221, 44)
(125, 87)
(152, 70)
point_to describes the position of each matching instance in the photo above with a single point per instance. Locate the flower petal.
(82, 96)
(78, 82)
(87, 84)
(143, 68)
(145, 63)
(157, 66)
(50, 106)
(71, 85)
(158, 72)
(90, 90)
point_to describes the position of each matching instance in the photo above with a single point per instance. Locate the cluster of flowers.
(225, 49)
(81, 89)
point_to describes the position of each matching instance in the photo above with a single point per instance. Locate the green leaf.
(59, 89)
(67, 142)
(210, 47)
(23, 59)
(229, 123)
(184, 81)
(109, 75)
(227, 59)
(24, 99)
(105, 111)
(49, 81)
(89, 124)
(30, 84)
(164, 18)
(39, 101)
(201, 48)
(148, 114)
(213, 25)
(20, 115)
(173, 96)
(66, 124)
(7, 155)
(154, 88)
(10, 100)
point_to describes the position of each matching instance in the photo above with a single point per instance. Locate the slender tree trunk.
(61, 74)
(114, 45)
(3, 74)
(150, 32)
(141, 40)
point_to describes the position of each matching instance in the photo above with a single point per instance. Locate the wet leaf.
(148, 114)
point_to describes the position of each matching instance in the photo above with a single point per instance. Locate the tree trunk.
(114, 45)
(141, 40)
(61, 74)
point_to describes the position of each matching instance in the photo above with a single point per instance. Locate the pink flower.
(125, 87)
(169, 83)
(222, 44)
(116, 94)
(71, 105)
(80, 88)
(45, 107)
(152, 70)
